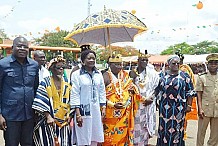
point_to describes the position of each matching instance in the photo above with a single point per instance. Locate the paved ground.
(191, 131)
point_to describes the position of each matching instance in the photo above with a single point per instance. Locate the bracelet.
(78, 116)
(189, 106)
(110, 104)
(104, 106)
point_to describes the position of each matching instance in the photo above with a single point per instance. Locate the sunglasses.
(175, 63)
(22, 47)
(59, 67)
(144, 60)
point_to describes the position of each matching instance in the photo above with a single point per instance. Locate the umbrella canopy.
(107, 27)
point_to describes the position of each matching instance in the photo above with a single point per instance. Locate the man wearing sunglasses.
(146, 79)
(18, 84)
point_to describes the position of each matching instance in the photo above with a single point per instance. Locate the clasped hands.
(148, 101)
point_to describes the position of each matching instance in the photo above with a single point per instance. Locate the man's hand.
(50, 120)
(147, 102)
(103, 112)
(2, 123)
(79, 120)
(201, 113)
(188, 109)
(118, 105)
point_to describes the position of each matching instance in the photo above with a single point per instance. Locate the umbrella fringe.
(140, 29)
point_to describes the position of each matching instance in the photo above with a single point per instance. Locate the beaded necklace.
(141, 78)
(119, 91)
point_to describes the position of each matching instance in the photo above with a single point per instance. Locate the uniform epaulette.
(203, 73)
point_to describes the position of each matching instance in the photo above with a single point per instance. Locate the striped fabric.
(47, 100)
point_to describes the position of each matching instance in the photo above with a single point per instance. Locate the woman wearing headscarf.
(88, 98)
(52, 107)
(176, 91)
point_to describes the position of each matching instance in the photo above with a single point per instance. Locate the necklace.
(119, 89)
(141, 78)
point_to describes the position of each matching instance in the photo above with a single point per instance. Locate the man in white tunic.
(146, 79)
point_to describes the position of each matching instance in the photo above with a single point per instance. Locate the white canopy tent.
(192, 59)
(188, 59)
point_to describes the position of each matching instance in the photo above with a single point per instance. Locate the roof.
(45, 48)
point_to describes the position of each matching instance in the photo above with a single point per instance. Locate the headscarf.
(169, 60)
(55, 60)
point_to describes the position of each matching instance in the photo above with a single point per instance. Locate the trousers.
(202, 128)
(19, 132)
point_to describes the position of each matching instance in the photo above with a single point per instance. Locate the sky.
(169, 22)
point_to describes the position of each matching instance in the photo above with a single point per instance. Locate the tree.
(56, 39)
(204, 47)
(2, 35)
(183, 48)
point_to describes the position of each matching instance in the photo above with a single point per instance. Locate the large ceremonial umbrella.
(107, 27)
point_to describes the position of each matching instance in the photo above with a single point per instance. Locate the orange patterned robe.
(119, 123)
(193, 115)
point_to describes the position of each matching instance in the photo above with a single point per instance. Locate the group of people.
(42, 107)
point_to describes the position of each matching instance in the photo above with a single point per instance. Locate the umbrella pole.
(109, 40)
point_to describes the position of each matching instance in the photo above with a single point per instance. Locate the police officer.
(207, 91)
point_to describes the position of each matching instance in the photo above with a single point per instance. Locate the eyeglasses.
(22, 47)
(144, 60)
(175, 63)
(59, 67)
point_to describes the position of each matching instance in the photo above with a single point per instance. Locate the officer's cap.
(212, 57)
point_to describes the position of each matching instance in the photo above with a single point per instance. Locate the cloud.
(174, 22)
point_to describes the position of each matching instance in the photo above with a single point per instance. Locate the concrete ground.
(191, 140)
(191, 132)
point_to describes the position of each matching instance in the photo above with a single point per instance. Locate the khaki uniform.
(209, 85)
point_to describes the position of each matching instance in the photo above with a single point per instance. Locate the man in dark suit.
(18, 84)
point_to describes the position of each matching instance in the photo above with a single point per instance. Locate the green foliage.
(56, 39)
(204, 47)
(3, 35)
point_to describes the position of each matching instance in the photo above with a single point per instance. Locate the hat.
(212, 57)
(115, 58)
(181, 56)
(85, 47)
(55, 60)
(146, 55)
